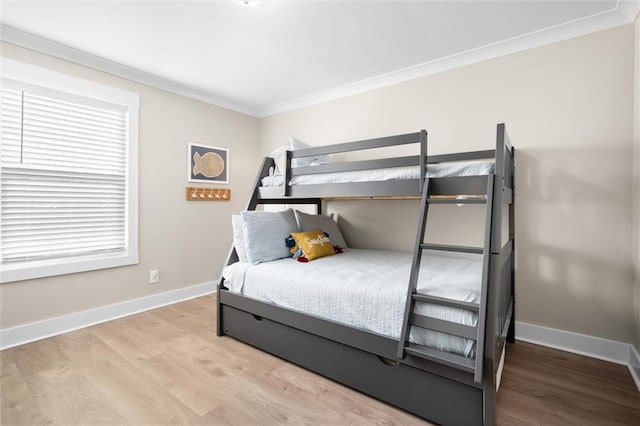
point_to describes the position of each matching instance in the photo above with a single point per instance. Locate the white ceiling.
(280, 55)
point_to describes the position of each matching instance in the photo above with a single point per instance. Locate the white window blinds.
(64, 178)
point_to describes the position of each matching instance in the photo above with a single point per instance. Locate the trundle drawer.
(425, 394)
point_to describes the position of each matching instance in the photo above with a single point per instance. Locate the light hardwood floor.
(167, 366)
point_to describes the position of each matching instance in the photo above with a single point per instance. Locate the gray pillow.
(265, 234)
(309, 222)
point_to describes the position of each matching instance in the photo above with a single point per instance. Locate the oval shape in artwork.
(209, 165)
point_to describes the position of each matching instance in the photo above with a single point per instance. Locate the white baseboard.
(594, 347)
(582, 344)
(26, 333)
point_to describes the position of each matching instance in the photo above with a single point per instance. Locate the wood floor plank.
(346, 406)
(39, 356)
(595, 385)
(68, 396)
(319, 397)
(274, 403)
(159, 330)
(168, 372)
(194, 324)
(166, 366)
(518, 409)
(17, 406)
(58, 387)
(140, 397)
(221, 368)
(573, 364)
(565, 401)
(204, 391)
(200, 307)
(129, 342)
(566, 388)
(232, 353)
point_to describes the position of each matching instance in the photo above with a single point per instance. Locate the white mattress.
(367, 289)
(460, 168)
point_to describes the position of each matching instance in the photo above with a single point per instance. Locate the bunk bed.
(445, 385)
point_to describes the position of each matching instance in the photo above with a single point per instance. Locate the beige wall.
(188, 241)
(636, 180)
(568, 109)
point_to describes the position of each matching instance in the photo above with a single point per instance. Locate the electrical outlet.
(154, 276)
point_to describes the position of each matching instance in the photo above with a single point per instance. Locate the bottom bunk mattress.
(367, 289)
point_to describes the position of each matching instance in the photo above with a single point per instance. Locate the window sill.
(51, 268)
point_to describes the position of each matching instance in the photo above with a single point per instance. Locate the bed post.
(423, 158)
(507, 168)
(219, 325)
(498, 191)
(494, 296)
(511, 334)
(287, 173)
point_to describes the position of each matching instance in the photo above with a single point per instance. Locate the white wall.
(569, 111)
(188, 241)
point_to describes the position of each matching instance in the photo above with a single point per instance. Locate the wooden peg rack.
(208, 194)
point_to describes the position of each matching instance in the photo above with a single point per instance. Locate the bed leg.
(219, 328)
(489, 393)
(511, 333)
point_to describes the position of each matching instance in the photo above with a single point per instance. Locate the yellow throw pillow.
(314, 244)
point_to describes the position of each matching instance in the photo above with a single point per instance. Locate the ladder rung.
(446, 302)
(446, 358)
(445, 247)
(457, 201)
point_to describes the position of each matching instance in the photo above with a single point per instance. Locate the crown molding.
(629, 8)
(623, 13)
(52, 48)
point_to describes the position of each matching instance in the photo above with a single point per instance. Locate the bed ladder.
(411, 318)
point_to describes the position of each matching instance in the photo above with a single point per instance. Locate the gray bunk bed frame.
(439, 386)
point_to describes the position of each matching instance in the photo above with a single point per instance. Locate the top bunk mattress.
(458, 168)
(367, 289)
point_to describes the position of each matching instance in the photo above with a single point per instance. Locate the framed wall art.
(208, 164)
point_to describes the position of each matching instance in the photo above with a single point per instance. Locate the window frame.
(15, 72)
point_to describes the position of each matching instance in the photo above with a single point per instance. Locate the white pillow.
(265, 234)
(238, 237)
(279, 156)
(309, 222)
(295, 144)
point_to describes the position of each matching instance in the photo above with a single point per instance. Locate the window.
(68, 174)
